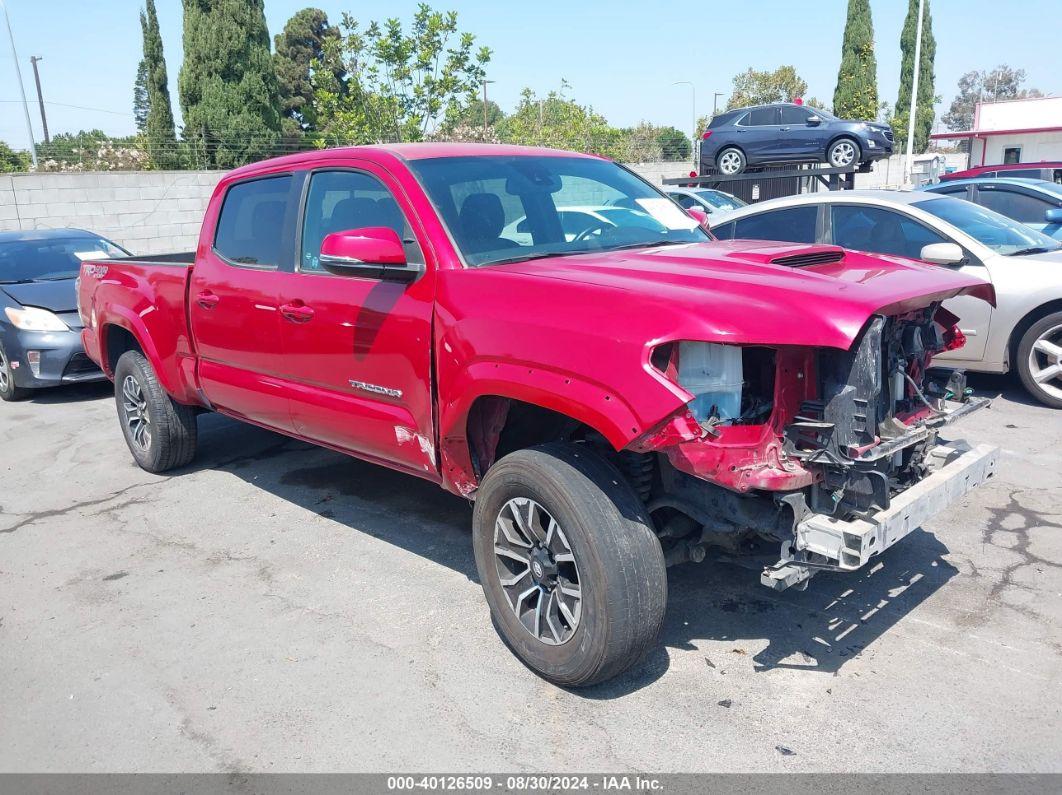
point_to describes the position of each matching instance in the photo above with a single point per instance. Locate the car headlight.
(30, 318)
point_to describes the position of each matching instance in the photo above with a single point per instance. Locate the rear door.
(233, 299)
(763, 139)
(357, 350)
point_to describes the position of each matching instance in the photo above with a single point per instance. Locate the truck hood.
(57, 296)
(758, 292)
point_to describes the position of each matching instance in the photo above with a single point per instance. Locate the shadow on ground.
(819, 629)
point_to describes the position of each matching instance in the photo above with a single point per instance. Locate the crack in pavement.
(51, 513)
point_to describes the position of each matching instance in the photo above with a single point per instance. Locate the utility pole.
(715, 101)
(21, 89)
(40, 96)
(485, 106)
(908, 164)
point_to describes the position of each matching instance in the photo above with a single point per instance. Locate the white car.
(1023, 331)
(580, 222)
(708, 199)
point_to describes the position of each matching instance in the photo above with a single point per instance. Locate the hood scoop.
(819, 256)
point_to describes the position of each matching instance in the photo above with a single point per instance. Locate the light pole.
(40, 96)
(693, 113)
(22, 91)
(715, 101)
(485, 105)
(907, 166)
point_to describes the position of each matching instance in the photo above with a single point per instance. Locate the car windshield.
(52, 258)
(996, 231)
(719, 200)
(509, 208)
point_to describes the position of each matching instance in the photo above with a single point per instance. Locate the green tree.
(228, 86)
(300, 50)
(992, 86)
(12, 161)
(674, 144)
(752, 87)
(140, 96)
(401, 84)
(471, 115)
(562, 123)
(926, 96)
(158, 124)
(856, 94)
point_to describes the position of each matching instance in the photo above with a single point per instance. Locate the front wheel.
(161, 433)
(843, 153)
(1040, 360)
(8, 390)
(572, 572)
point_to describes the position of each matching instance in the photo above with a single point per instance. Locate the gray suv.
(790, 133)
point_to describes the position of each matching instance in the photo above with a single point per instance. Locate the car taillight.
(706, 135)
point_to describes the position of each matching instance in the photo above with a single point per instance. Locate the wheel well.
(119, 340)
(1023, 325)
(499, 425)
(843, 136)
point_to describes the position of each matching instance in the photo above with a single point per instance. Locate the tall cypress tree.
(162, 141)
(856, 95)
(926, 97)
(301, 43)
(228, 87)
(140, 97)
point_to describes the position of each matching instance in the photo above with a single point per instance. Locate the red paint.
(977, 171)
(371, 244)
(391, 372)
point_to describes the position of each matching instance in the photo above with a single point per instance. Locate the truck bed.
(184, 259)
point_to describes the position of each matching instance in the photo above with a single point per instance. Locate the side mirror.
(1054, 215)
(374, 252)
(698, 215)
(943, 254)
(814, 121)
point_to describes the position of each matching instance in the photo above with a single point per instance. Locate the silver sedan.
(1023, 332)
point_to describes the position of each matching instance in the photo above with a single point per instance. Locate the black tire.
(8, 390)
(621, 573)
(171, 426)
(728, 155)
(844, 153)
(1049, 329)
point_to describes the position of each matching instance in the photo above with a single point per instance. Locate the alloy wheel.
(730, 162)
(842, 154)
(537, 571)
(1045, 361)
(137, 419)
(5, 372)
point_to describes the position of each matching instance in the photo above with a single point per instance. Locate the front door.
(801, 141)
(233, 300)
(357, 350)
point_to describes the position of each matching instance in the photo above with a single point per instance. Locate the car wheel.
(8, 390)
(730, 161)
(161, 433)
(571, 569)
(843, 153)
(1040, 360)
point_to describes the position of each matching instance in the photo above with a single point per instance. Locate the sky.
(620, 57)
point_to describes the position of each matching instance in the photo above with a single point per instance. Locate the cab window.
(251, 224)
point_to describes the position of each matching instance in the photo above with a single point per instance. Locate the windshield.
(51, 259)
(720, 200)
(996, 231)
(508, 208)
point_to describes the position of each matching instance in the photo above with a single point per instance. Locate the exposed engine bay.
(829, 455)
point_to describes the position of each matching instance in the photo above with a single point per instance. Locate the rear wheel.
(573, 574)
(1040, 360)
(843, 153)
(8, 390)
(161, 433)
(730, 161)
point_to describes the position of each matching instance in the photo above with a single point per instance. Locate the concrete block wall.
(148, 212)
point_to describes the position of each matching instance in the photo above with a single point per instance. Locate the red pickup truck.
(547, 334)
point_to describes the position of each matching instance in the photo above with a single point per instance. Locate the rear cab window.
(250, 226)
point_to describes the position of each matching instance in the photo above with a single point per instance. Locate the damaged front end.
(833, 455)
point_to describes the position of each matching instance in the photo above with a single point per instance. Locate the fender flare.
(124, 318)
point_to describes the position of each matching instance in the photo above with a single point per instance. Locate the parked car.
(788, 133)
(1033, 202)
(612, 402)
(1047, 170)
(1022, 332)
(40, 332)
(707, 199)
(579, 222)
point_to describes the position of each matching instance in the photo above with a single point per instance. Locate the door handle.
(207, 299)
(783, 129)
(297, 312)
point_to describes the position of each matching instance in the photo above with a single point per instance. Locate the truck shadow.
(819, 629)
(72, 393)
